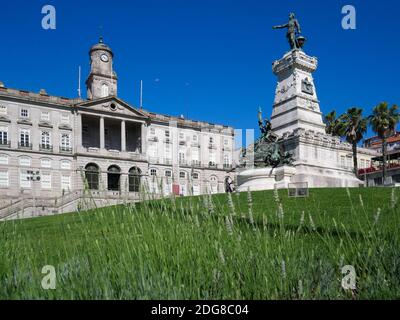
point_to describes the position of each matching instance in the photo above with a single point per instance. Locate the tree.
(354, 127)
(333, 124)
(384, 121)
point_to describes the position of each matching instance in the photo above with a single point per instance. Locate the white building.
(58, 153)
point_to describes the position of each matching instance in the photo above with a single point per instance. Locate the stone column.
(102, 142)
(78, 131)
(143, 139)
(123, 136)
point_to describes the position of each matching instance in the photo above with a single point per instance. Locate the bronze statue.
(293, 32)
(268, 150)
(266, 129)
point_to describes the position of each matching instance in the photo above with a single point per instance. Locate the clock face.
(104, 58)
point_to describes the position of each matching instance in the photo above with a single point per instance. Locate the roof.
(38, 97)
(72, 102)
(101, 46)
(378, 141)
(391, 155)
(185, 122)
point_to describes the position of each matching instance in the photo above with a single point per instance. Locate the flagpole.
(141, 94)
(79, 82)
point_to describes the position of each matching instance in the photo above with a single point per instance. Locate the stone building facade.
(55, 151)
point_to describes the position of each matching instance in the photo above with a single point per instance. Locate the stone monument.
(297, 122)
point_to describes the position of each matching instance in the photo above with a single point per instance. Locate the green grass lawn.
(262, 245)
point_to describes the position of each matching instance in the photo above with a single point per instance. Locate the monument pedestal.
(265, 178)
(321, 160)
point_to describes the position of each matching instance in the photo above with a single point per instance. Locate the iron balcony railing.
(196, 163)
(24, 145)
(5, 144)
(45, 147)
(64, 149)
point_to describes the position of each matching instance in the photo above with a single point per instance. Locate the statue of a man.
(292, 26)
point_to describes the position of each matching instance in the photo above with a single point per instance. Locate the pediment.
(112, 105)
(45, 124)
(4, 119)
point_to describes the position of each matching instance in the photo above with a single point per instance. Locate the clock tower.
(102, 80)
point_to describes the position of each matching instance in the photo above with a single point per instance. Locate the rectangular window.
(362, 164)
(342, 161)
(25, 161)
(181, 157)
(3, 136)
(25, 181)
(45, 140)
(3, 110)
(45, 116)
(195, 138)
(24, 138)
(46, 180)
(195, 154)
(368, 163)
(45, 163)
(65, 182)
(181, 136)
(65, 142)
(65, 118)
(152, 131)
(226, 142)
(3, 159)
(212, 157)
(152, 150)
(4, 179)
(168, 153)
(349, 162)
(65, 165)
(226, 160)
(167, 133)
(24, 113)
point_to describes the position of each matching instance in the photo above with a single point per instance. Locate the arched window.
(168, 173)
(104, 90)
(153, 172)
(134, 179)
(92, 176)
(113, 178)
(182, 175)
(213, 184)
(195, 176)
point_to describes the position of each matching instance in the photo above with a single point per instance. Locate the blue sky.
(208, 60)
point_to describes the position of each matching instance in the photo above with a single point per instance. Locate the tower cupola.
(102, 79)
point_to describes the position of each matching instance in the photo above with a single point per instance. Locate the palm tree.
(333, 124)
(384, 121)
(354, 128)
